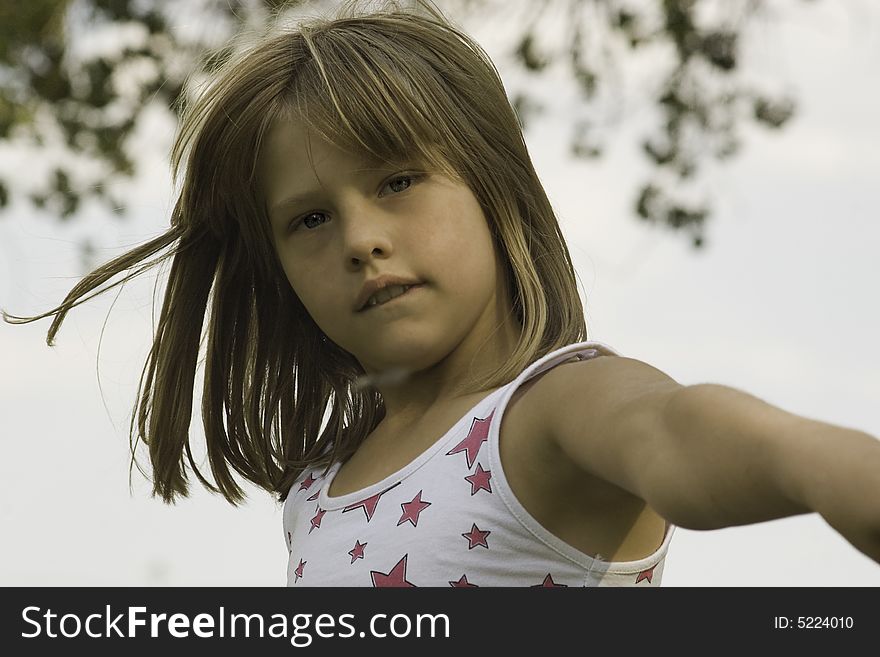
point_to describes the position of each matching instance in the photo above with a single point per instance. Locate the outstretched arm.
(760, 462)
(709, 456)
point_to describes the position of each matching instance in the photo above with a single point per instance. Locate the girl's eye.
(396, 185)
(305, 219)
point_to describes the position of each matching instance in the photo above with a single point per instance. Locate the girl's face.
(340, 222)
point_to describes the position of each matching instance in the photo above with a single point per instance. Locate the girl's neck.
(410, 399)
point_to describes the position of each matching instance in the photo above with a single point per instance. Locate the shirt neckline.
(328, 503)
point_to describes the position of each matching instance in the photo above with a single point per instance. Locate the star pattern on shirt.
(549, 583)
(316, 521)
(478, 434)
(479, 480)
(646, 574)
(358, 551)
(395, 577)
(412, 509)
(383, 530)
(476, 537)
(307, 482)
(369, 504)
(299, 570)
(462, 583)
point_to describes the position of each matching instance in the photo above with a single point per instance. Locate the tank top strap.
(578, 350)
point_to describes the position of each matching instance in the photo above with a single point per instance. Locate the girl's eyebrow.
(293, 200)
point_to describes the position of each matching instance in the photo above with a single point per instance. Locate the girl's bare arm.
(758, 458)
(709, 456)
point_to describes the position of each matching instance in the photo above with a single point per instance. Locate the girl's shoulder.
(608, 519)
(619, 399)
(605, 417)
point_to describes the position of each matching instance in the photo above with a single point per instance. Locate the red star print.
(316, 521)
(369, 504)
(358, 551)
(396, 577)
(476, 537)
(463, 583)
(646, 574)
(299, 570)
(478, 434)
(314, 497)
(480, 480)
(307, 482)
(411, 510)
(549, 583)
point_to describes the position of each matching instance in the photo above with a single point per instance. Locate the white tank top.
(448, 518)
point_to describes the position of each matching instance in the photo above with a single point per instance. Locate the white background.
(781, 304)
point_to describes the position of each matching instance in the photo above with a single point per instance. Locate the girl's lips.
(382, 281)
(393, 299)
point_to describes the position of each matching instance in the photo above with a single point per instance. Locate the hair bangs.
(373, 106)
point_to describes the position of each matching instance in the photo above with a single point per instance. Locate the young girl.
(396, 346)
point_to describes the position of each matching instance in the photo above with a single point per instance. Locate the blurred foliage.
(701, 101)
(53, 88)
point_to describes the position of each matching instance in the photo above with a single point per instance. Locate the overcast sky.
(781, 304)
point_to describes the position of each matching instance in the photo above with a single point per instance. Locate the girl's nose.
(376, 253)
(366, 236)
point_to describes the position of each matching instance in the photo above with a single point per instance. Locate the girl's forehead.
(293, 140)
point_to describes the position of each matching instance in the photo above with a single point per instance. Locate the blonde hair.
(392, 84)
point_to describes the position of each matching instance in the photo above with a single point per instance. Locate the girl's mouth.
(389, 295)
